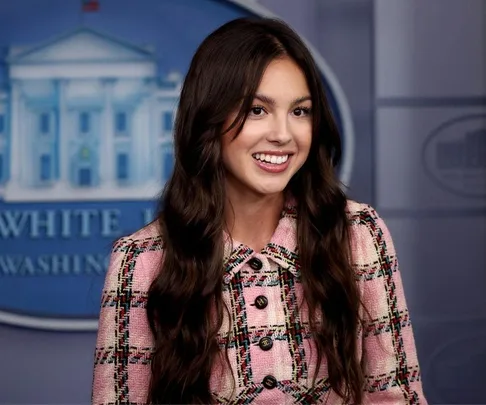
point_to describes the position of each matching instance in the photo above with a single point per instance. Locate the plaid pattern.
(387, 347)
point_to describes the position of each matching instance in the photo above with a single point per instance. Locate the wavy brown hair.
(185, 307)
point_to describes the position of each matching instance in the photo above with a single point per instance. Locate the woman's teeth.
(276, 160)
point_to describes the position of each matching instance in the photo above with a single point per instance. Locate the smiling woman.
(260, 282)
(263, 155)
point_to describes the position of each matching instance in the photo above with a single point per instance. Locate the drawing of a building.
(85, 117)
(467, 152)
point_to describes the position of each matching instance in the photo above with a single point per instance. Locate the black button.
(269, 382)
(255, 264)
(265, 343)
(261, 302)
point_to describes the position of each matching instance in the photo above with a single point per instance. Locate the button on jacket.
(270, 347)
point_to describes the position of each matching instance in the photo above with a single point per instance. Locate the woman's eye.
(257, 111)
(301, 111)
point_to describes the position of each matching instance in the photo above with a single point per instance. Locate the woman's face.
(276, 137)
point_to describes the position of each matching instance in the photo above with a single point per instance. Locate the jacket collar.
(282, 248)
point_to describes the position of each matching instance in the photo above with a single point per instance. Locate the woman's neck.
(252, 219)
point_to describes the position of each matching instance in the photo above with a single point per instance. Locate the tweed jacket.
(270, 347)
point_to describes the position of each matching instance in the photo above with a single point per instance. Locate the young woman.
(259, 282)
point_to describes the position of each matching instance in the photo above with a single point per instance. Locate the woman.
(259, 282)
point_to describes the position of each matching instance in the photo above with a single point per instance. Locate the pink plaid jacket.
(269, 344)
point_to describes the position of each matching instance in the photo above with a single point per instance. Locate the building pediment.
(83, 45)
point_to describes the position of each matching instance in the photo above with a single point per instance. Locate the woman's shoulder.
(363, 216)
(358, 211)
(148, 238)
(136, 258)
(370, 237)
(150, 231)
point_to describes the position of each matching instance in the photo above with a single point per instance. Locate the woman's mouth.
(272, 163)
(273, 159)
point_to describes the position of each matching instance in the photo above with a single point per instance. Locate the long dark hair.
(185, 307)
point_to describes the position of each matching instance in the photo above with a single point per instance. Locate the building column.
(15, 135)
(154, 153)
(107, 156)
(28, 126)
(62, 136)
(142, 143)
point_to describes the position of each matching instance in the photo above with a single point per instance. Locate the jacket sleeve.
(389, 357)
(121, 365)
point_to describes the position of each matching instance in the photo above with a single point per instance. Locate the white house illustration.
(85, 117)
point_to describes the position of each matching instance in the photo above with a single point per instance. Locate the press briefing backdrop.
(88, 91)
